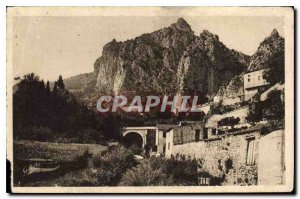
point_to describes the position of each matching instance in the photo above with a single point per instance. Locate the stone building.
(253, 81)
(161, 132)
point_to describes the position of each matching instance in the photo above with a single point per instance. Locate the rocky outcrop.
(174, 60)
(168, 61)
(208, 64)
(235, 88)
(268, 55)
(268, 51)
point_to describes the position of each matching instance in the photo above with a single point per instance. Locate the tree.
(60, 83)
(42, 85)
(274, 105)
(255, 112)
(40, 116)
(48, 87)
(229, 121)
(55, 88)
(275, 73)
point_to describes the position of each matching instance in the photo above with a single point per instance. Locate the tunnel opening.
(133, 141)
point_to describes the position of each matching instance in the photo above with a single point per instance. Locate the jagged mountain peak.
(274, 37)
(274, 33)
(208, 35)
(181, 24)
(270, 49)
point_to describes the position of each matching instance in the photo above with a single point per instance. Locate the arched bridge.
(137, 135)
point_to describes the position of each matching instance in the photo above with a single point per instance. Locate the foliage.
(229, 121)
(264, 130)
(275, 73)
(107, 170)
(160, 171)
(272, 108)
(274, 105)
(255, 112)
(40, 114)
(112, 165)
(218, 108)
(144, 175)
(184, 172)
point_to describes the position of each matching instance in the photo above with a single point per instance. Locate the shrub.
(78, 178)
(229, 121)
(145, 175)
(274, 105)
(264, 130)
(113, 164)
(255, 112)
(183, 171)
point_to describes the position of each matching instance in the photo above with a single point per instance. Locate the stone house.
(161, 132)
(253, 81)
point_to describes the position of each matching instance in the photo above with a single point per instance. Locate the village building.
(161, 133)
(253, 82)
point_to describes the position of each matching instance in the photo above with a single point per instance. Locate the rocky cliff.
(269, 54)
(269, 50)
(168, 61)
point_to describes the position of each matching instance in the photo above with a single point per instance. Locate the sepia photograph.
(150, 99)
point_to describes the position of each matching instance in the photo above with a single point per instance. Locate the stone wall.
(234, 160)
(224, 157)
(187, 134)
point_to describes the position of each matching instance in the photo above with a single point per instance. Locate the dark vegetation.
(118, 167)
(272, 108)
(275, 73)
(229, 121)
(45, 115)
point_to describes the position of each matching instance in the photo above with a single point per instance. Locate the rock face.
(173, 60)
(208, 64)
(235, 88)
(168, 61)
(268, 51)
(268, 55)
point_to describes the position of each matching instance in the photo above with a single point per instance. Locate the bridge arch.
(140, 132)
(134, 138)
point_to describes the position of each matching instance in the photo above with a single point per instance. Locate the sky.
(68, 45)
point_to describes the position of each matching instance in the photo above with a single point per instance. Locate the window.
(250, 152)
(205, 135)
(197, 135)
(248, 79)
(154, 148)
(258, 78)
(164, 134)
(214, 131)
